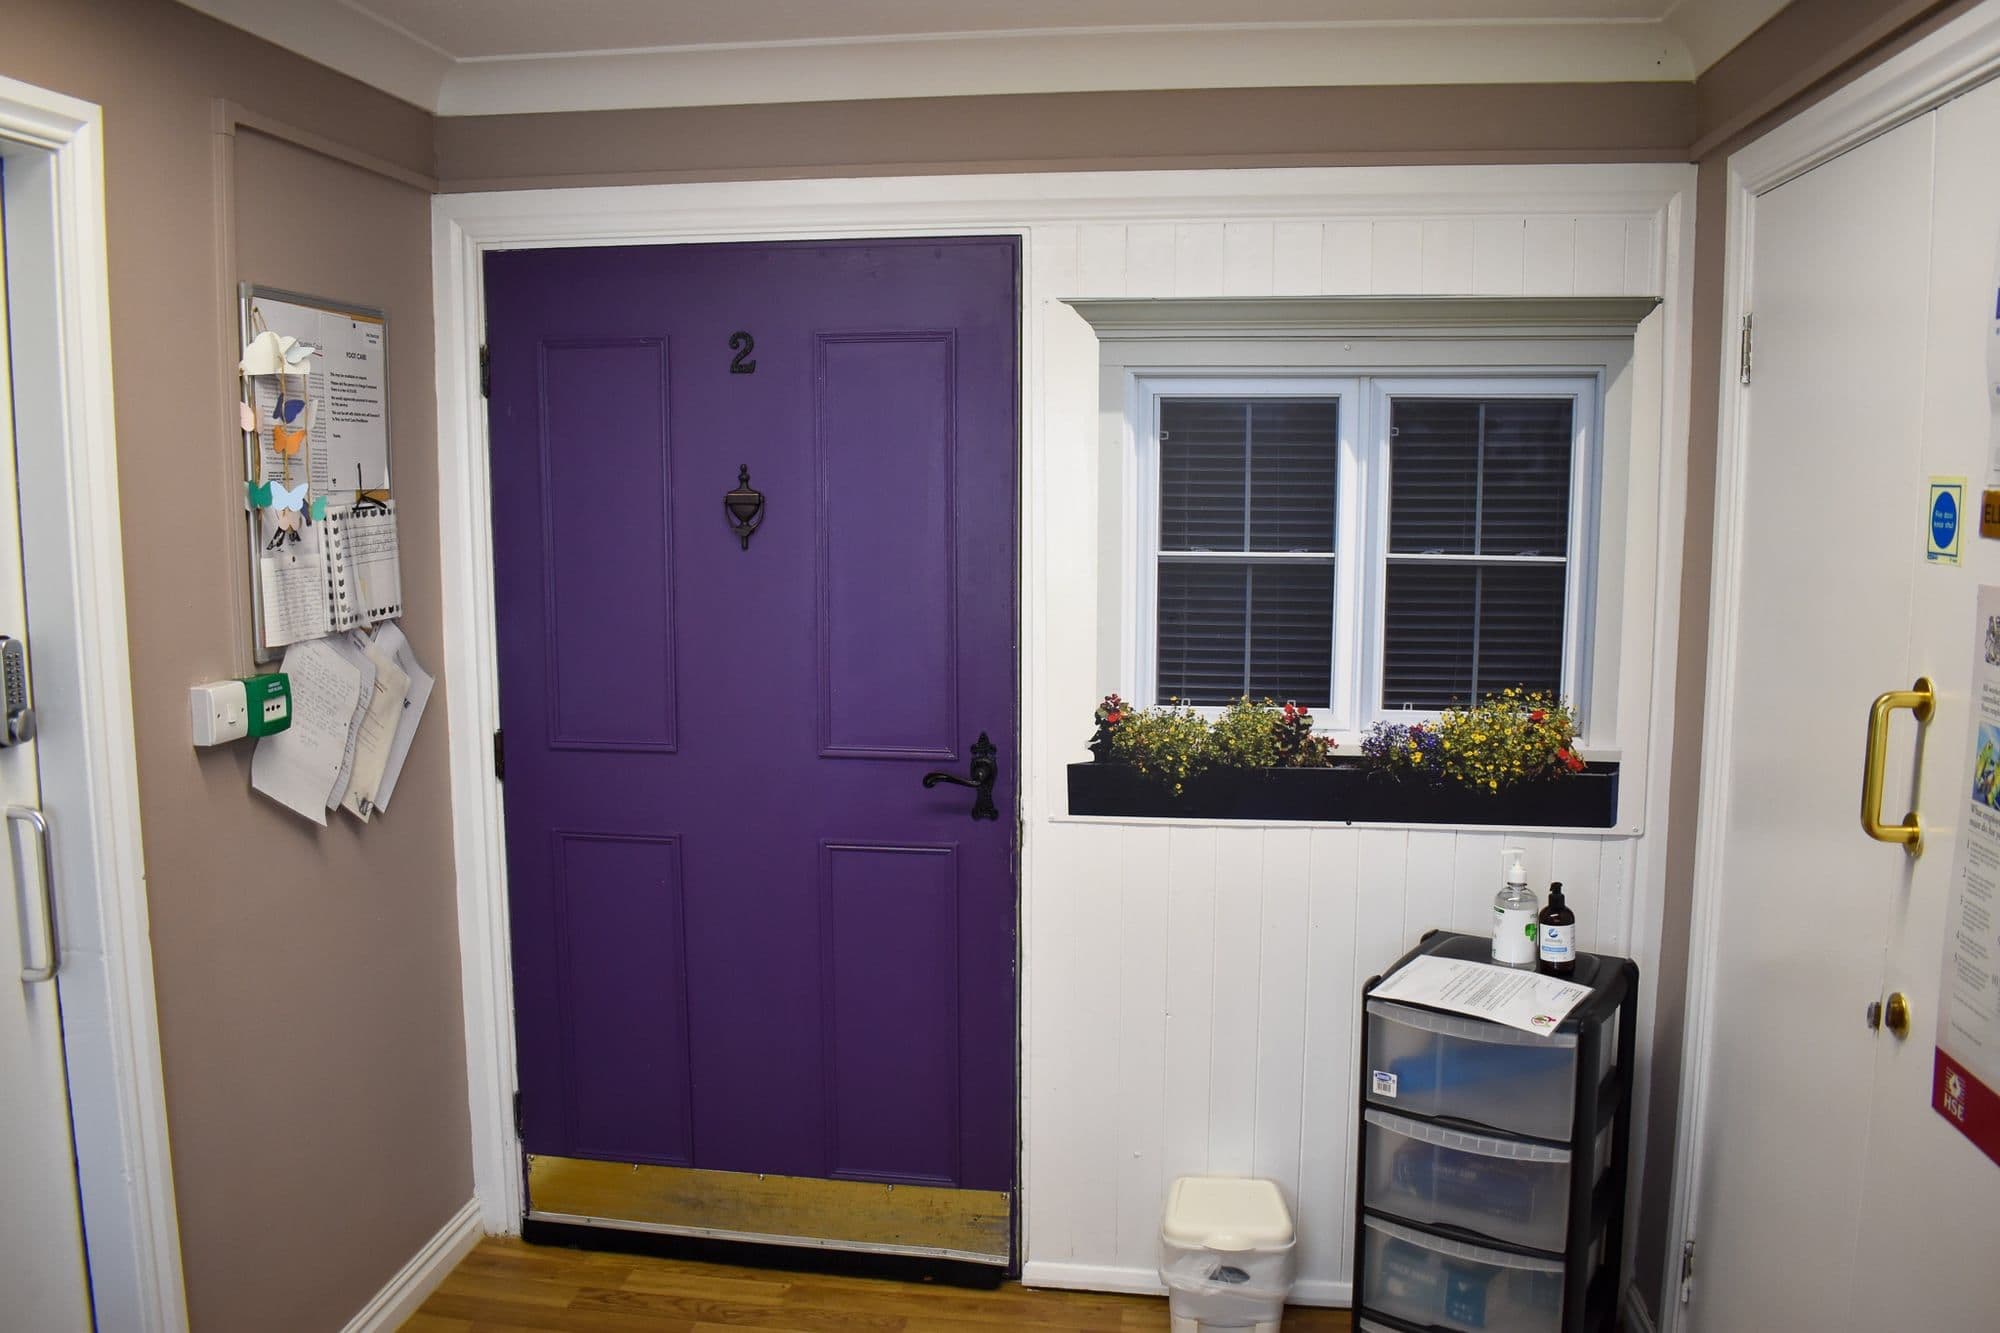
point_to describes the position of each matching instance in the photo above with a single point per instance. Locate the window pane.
(1480, 477)
(1204, 611)
(1264, 465)
(1202, 474)
(1455, 633)
(1226, 629)
(1291, 634)
(1524, 504)
(1434, 475)
(1294, 459)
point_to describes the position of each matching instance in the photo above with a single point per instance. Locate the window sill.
(1346, 793)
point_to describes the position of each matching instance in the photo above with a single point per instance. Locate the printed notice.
(345, 395)
(1965, 1077)
(1513, 996)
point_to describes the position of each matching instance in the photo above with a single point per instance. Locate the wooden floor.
(506, 1286)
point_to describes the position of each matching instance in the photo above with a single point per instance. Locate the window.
(1365, 546)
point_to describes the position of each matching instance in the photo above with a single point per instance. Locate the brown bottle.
(1555, 935)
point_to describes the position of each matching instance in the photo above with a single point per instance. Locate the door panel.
(746, 938)
(42, 1279)
(1925, 1255)
(1830, 546)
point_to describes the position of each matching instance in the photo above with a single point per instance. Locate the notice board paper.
(389, 637)
(346, 393)
(377, 734)
(1965, 1072)
(298, 767)
(1513, 996)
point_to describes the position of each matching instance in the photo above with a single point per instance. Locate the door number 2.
(744, 344)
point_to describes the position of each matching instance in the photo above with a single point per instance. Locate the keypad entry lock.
(18, 723)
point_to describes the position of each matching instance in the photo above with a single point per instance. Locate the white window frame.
(1147, 393)
(1361, 542)
(1586, 392)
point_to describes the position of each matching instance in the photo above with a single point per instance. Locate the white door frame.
(465, 226)
(1956, 58)
(53, 146)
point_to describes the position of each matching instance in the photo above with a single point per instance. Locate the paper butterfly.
(275, 354)
(287, 439)
(288, 497)
(288, 409)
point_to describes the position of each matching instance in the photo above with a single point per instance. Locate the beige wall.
(1235, 127)
(307, 979)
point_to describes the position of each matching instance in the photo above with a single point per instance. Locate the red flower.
(1572, 762)
(1113, 719)
(1538, 716)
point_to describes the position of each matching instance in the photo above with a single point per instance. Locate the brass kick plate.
(928, 1221)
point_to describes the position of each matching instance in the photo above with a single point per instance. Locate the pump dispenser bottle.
(1514, 914)
(1556, 935)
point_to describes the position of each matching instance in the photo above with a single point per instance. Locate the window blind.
(1479, 507)
(1245, 563)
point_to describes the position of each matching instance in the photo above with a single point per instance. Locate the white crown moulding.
(364, 46)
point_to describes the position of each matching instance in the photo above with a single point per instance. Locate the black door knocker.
(745, 506)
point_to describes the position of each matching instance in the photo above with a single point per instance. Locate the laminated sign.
(1966, 1069)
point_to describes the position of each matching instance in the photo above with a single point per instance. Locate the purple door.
(746, 936)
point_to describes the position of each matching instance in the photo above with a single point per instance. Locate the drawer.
(1517, 1193)
(1444, 1283)
(1422, 1063)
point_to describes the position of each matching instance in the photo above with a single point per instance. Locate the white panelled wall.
(1189, 991)
(1192, 990)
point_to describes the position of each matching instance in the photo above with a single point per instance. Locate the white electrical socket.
(221, 712)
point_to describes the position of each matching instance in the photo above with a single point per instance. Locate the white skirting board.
(421, 1276)
(1146, 1282)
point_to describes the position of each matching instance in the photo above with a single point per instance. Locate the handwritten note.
(299, 766)
(389, 637)
(378, 733)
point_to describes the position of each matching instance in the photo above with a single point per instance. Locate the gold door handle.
(1896, 1014)
(1922, 701)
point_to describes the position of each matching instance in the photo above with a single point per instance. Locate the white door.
(42, 1280)
(1829, 1195)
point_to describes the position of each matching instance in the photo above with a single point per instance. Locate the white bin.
(1226, 1254)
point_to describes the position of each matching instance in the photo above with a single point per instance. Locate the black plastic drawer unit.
(1491, 1195)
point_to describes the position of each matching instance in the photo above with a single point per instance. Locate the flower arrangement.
(1174, 743)
(1508, 738)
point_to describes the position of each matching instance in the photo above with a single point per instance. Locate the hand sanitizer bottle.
(1514, 914)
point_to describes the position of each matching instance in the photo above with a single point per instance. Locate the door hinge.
(517, 1113)
(485, 371)
(1743, 363)
(500, 755)
(1687, 1272)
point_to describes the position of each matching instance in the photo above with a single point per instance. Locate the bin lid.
(1226, 1213)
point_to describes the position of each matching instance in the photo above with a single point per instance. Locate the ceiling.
(482, 57)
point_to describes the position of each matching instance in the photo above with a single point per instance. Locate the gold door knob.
(1896, 1014)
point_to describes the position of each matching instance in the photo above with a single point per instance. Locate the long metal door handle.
(46, 873)
(1922, 701)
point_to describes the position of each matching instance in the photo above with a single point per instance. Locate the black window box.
(1348, 792)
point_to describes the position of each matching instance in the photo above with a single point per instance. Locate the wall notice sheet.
(346, 395)
(1518, 998)
(1965, 1073)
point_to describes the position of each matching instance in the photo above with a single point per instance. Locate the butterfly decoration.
(287, 440)
(275, 354)
(288, 505)
(288, 409)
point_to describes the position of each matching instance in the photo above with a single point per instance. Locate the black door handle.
(984, 769)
